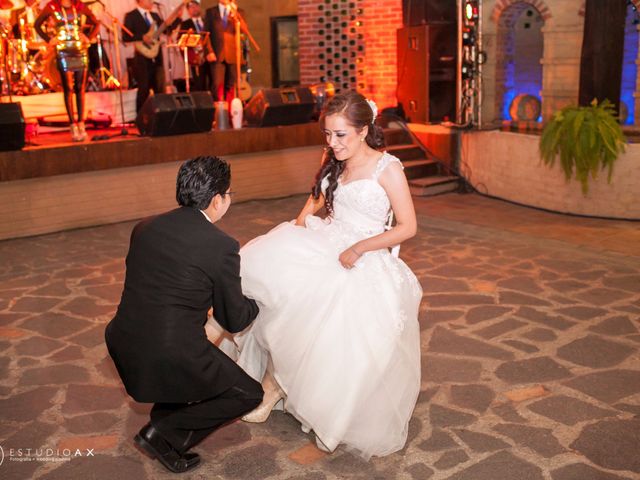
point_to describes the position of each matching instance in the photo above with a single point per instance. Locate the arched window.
(518, 66)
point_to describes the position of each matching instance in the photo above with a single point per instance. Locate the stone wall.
(508, 166)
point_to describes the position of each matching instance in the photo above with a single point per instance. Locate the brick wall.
(351, 43)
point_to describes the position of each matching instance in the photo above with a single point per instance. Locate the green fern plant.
(586, 139)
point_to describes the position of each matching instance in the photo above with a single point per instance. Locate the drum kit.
(28, 63)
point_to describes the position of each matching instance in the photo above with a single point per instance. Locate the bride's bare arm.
(310, 208)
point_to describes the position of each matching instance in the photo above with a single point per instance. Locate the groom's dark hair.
(200, 179)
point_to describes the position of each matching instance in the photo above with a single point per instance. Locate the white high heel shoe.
(273, 394)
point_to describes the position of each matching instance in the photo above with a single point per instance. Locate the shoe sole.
(148, 450)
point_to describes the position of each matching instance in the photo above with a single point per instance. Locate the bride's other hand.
(349, 257)
(310, 208)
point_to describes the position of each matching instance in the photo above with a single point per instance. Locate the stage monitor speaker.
(12, 127)
(427, 72)
(176, 114)
(280, 106)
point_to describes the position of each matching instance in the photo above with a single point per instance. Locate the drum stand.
(107, 80)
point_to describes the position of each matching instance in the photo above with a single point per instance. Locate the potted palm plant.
(586, 139)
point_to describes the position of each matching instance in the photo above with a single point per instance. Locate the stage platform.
(54, 184)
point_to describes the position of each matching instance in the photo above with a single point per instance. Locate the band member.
(220, 21)
(202, 62)
(68, 17)
(148, 68)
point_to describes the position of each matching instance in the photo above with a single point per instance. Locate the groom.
(179, 265)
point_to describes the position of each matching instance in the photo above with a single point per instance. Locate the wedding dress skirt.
(345, 344)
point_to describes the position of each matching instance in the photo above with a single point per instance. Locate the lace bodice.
(361, 207)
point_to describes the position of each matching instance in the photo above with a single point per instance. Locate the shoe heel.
(144, 447)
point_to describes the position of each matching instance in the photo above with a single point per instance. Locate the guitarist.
(142, 22)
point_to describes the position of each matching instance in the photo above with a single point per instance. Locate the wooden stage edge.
(64, 186)
(132, 151)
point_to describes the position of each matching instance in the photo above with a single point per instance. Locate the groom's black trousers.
(184, 425)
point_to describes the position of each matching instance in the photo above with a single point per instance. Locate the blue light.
(629, 67)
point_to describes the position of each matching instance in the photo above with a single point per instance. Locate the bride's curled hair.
(356, 110)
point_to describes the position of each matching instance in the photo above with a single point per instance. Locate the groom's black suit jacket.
(178, 266)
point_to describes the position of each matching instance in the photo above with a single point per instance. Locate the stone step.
(420, 168)
(406, 152)
(433, 185)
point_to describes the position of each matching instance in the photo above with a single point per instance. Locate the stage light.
(468, 37)
(467, 70)
(470, 11)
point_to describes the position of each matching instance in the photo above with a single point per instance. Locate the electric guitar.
(244, 89)
(151, 50)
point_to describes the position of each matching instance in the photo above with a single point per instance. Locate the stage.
(54, 184)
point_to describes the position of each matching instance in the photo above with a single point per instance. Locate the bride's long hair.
(356, 110)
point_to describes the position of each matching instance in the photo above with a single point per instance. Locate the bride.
(338, 326)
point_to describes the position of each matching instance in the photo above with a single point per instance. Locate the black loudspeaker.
(427, 72)
(420, 12)
(12, 127)
(280, 106)
(176, 114)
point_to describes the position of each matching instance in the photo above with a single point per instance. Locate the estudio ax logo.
(1, 455)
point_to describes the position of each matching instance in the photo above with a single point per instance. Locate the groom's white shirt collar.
(206, 216)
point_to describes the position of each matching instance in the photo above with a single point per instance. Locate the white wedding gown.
(345, 344)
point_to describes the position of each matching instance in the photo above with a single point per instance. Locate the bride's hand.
(349, 257)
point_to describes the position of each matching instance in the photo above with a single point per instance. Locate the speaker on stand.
(427, 72)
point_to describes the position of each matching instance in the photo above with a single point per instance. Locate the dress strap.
(384, 162)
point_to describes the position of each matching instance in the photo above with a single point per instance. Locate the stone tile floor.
(530, 330)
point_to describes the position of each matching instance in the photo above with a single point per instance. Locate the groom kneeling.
(179, 265)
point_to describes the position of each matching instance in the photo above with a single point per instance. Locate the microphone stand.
(168, 55)
(115, 30)
(240, 24)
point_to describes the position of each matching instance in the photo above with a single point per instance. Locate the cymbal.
(6, 4)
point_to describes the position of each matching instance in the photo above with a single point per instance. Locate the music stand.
(194, 41)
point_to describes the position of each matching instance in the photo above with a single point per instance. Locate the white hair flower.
(374, 108)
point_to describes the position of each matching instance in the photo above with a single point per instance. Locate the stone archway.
(510, 80)
(540, 5)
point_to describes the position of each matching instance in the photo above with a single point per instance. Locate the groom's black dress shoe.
(154, 445)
